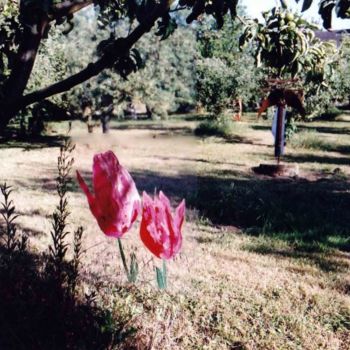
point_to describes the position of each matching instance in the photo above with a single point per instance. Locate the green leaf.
(325, 10)
(166, 27)
(160, 280)
(342, 8)
(161, 276)
(306, 5)
(284, 4)
(134, 269)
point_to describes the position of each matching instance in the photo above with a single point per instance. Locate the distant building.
(335, 35)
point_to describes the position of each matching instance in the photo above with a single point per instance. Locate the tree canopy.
(26, 24)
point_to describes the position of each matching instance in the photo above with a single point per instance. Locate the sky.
(255, 7)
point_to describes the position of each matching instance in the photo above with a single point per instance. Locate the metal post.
(279, 140)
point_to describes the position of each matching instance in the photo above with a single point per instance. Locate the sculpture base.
(286, 170)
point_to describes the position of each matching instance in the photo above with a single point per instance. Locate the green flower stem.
(123, 258)
(164, 273)
(161, 275)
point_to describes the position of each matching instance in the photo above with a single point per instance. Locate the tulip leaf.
(162, 276)
(122, 255)
(284, 4)
(306, 5)
(134, 268)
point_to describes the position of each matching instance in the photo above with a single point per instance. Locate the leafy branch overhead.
(25, 24)
(286, 44)
(326, 7)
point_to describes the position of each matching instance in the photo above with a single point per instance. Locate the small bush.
(221, 128)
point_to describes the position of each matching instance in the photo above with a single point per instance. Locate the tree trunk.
(34, 28)
(15, 101)
(23, 66)
(105, 118)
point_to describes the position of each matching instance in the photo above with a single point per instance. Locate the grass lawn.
(265, 262)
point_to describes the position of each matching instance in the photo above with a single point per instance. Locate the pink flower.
(115, 202)
(160, 231)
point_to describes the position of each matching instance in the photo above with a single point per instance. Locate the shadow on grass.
(30, 142)
(325, 129)
(319, 257)
(152, 126)
(296, 210)
(261, 127)
(299, 210)
(38, 313)
(311, 158)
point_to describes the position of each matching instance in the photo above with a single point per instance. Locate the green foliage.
(165, 82)
(59, 232)
(215, 85)
(17, 19)
(8, 234)
(330, 86)
(224, 73)
(10, 32)
(286, 44)
(132, 271)
(220, 127)
(166, 27)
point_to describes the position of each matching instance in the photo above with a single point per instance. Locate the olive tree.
(26, 23)
(223, 72)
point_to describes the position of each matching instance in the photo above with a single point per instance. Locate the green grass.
(309, 140)
(264, 263)
(308, 212)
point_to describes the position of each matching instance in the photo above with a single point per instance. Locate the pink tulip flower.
(115, 202)
(161, 231)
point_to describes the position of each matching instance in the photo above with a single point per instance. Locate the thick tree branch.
(33, 33)
(11, 106)
(119, 49)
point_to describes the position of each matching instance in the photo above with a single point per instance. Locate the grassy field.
(265, 262)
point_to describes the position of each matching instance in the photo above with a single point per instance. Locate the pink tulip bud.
(115, 202)
(161, 231)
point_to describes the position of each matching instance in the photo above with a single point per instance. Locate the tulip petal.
(104, 172)
(180, 215)
(85, 188)
(164, 199)
(148, 230)
(160, 232)
(116, 203)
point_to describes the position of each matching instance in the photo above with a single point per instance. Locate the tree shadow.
(31, 142)
(311, 158)
(322, 260)
(39, 313)
(261, 127)
(294, 210)
(325, 129)
(165, 129)
(344, 149)
(193, 117)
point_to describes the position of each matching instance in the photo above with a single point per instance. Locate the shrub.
(222, 128)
